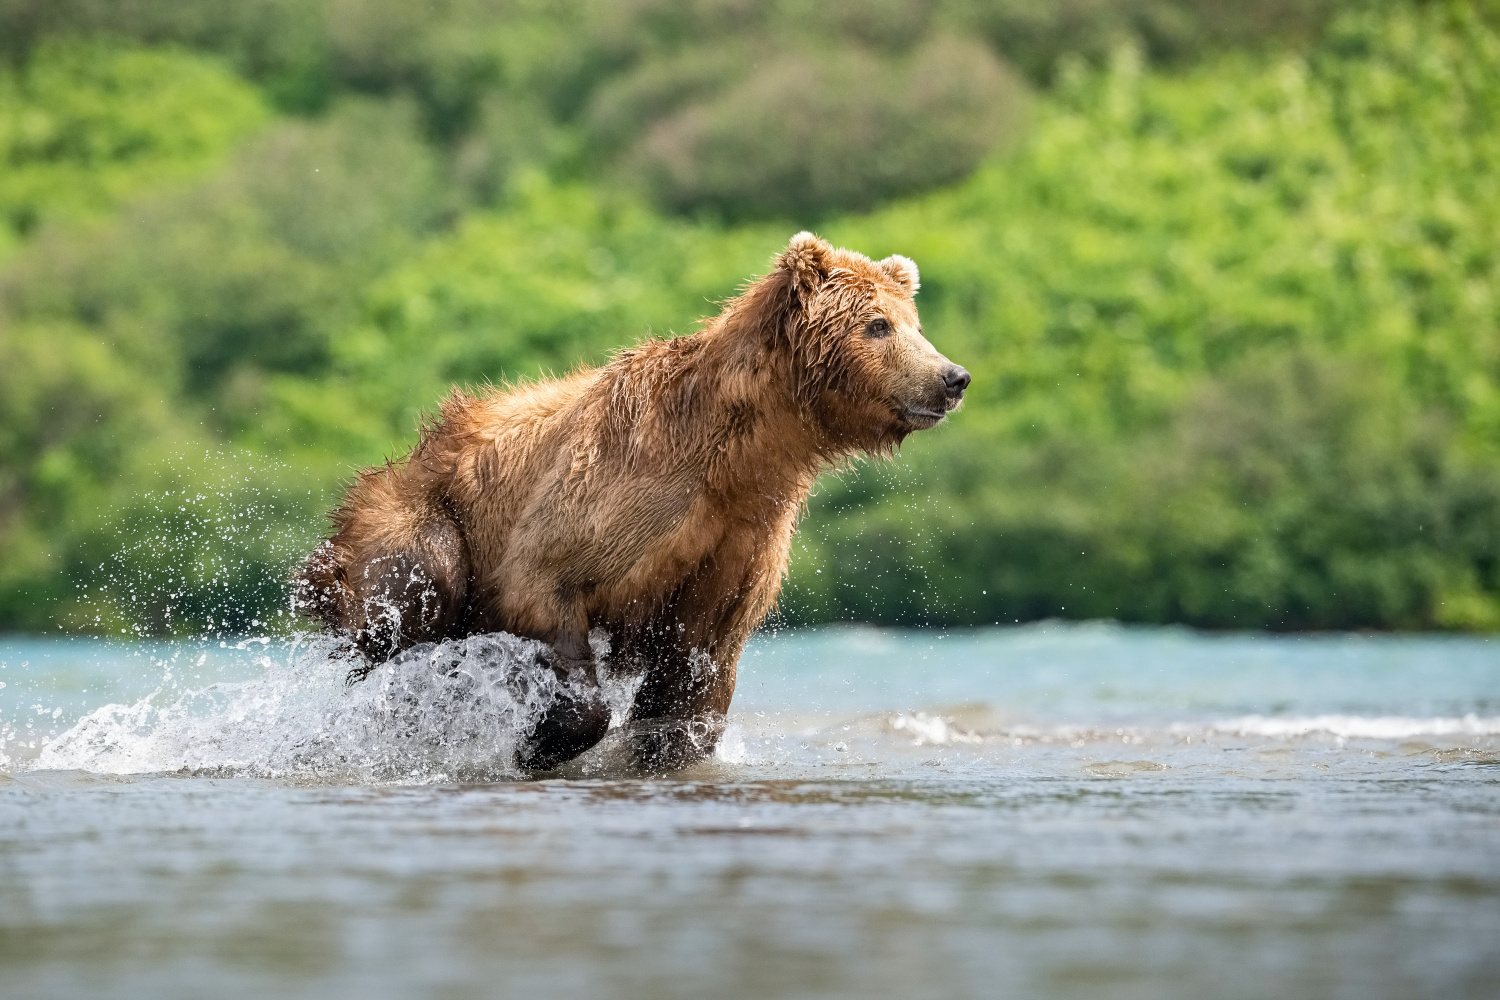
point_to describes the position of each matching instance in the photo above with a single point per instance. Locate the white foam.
(443, 711)
(931, 730)
(1380, 727)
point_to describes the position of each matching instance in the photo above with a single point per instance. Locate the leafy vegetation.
(1234, 337)
(1227, 284)
(88, 125)
(707, 105)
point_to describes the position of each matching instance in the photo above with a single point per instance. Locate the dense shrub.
(1235, 327)
(83, 126)
(1034, 35)
(801, 135)
(1159, 240)
(693, 87)
(165, 332)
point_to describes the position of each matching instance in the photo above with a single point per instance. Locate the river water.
(1046, 811)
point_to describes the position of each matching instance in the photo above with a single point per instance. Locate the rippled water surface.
(1081, 811)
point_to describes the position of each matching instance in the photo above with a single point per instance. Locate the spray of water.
(449, 711)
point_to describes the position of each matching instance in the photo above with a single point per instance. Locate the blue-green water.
(1080, 811)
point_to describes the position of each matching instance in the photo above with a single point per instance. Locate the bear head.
(858, 359)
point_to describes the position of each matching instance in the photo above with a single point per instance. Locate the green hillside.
(1228, 286)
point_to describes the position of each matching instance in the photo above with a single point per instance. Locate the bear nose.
(955, 380)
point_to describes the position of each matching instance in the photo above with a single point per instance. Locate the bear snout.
(955, 381)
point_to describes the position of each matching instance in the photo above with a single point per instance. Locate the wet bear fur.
(654, 497)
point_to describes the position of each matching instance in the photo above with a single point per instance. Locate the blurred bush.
(1128, 292)
(714, 105)
(1035, 34)
(801, 135)
(164, 332)
(83, 126)
(1292, 492)
(1231, 301)
(280, 44)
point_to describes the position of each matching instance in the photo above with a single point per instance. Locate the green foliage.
(280, 44)
(83, 126)
(804, 134)
(1035, 35)
(1235, 327)
(1127, 292)
(173, 331)
(741, 107)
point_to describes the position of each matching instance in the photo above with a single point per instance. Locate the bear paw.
(571, 725)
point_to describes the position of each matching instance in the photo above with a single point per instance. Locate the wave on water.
(935, 729)
(1382, 727)
(439, 711)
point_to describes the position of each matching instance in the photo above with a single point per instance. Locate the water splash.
(438, 712)
(931, 730)
(205, 550)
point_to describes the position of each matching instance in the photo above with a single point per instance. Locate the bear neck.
(762, 438)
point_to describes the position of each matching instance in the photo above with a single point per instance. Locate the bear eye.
(879, 327)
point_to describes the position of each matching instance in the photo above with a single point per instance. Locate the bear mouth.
(922, 418)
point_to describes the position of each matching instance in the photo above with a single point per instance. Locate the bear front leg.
(681, 708)
(578, 717)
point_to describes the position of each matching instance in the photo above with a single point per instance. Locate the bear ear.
(807, 259)
(903, 271)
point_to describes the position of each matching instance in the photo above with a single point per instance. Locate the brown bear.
(654, 497)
